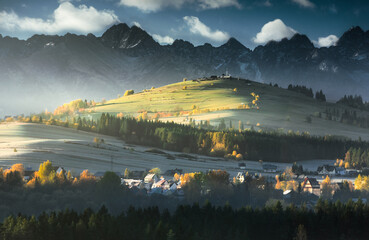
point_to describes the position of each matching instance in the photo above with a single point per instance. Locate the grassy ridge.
(217, 99)
(170, 98)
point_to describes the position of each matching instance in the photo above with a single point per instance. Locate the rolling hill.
(237, 101)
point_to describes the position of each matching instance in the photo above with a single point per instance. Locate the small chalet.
(150, 178)
(269, 167)
(241, 177)
(161, 184)
(28, 174)
(311, 185)
(327, 170)
(59, 170)
(131, 183)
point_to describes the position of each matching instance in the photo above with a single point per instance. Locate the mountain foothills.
(61, 68)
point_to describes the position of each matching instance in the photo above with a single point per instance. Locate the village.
(171, 182)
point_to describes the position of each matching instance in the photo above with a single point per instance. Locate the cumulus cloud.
(328, 41)
(163, 40)
(156, 5)
(274, 30)
(66, 17)
(304, 3)
(197, 27)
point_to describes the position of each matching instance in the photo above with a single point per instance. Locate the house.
(151, 178)
(241, 176)
(28, 175)
(341, 171)
(161, 184)
(352, 172)
(311, 185)
(59, 170)
(287, 193)
(173, 187)
(269, 167)
(242, 166)
(327, 170)
(131, 183)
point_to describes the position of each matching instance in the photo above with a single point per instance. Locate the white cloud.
(156, 5)
(137, 24)
(66, 17)
(163, 40)
(328, 41)
(212, 4)
(197, 27)
(275, 30)
(304, 3)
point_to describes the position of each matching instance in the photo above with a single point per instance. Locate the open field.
(76, 151)
(279, 109)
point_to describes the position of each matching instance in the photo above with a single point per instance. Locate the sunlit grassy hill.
(211, 95)
(238, 102)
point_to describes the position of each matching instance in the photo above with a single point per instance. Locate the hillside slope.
(232, 100)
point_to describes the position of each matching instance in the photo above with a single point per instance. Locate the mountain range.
(45, 71)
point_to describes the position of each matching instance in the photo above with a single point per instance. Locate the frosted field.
(75, 151)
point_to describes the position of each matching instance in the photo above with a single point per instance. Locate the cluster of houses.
(308, 184)
(152, 184)
(333, 170)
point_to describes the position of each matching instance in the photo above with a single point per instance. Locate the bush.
(129, 92)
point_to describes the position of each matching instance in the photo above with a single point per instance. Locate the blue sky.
(198, 21)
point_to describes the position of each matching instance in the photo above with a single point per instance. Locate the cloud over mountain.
(274, 30)
(328, 41)
(198, 27)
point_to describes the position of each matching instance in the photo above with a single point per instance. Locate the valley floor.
(32, 144)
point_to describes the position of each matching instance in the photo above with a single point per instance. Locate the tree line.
(325, 221)
(354, 102)
(347, 116)
(267, 146)
(357, 158)
(308, 92)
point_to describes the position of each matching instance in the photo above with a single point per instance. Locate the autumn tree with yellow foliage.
(327, 188)
(46, 173)
(362, 183)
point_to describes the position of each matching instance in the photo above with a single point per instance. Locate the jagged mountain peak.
(234, 44)
(121, 36)
(180, 44)
(353, 37)
(298, 41)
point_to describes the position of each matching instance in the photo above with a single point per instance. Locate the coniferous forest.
(266, 146)
(326, 221)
